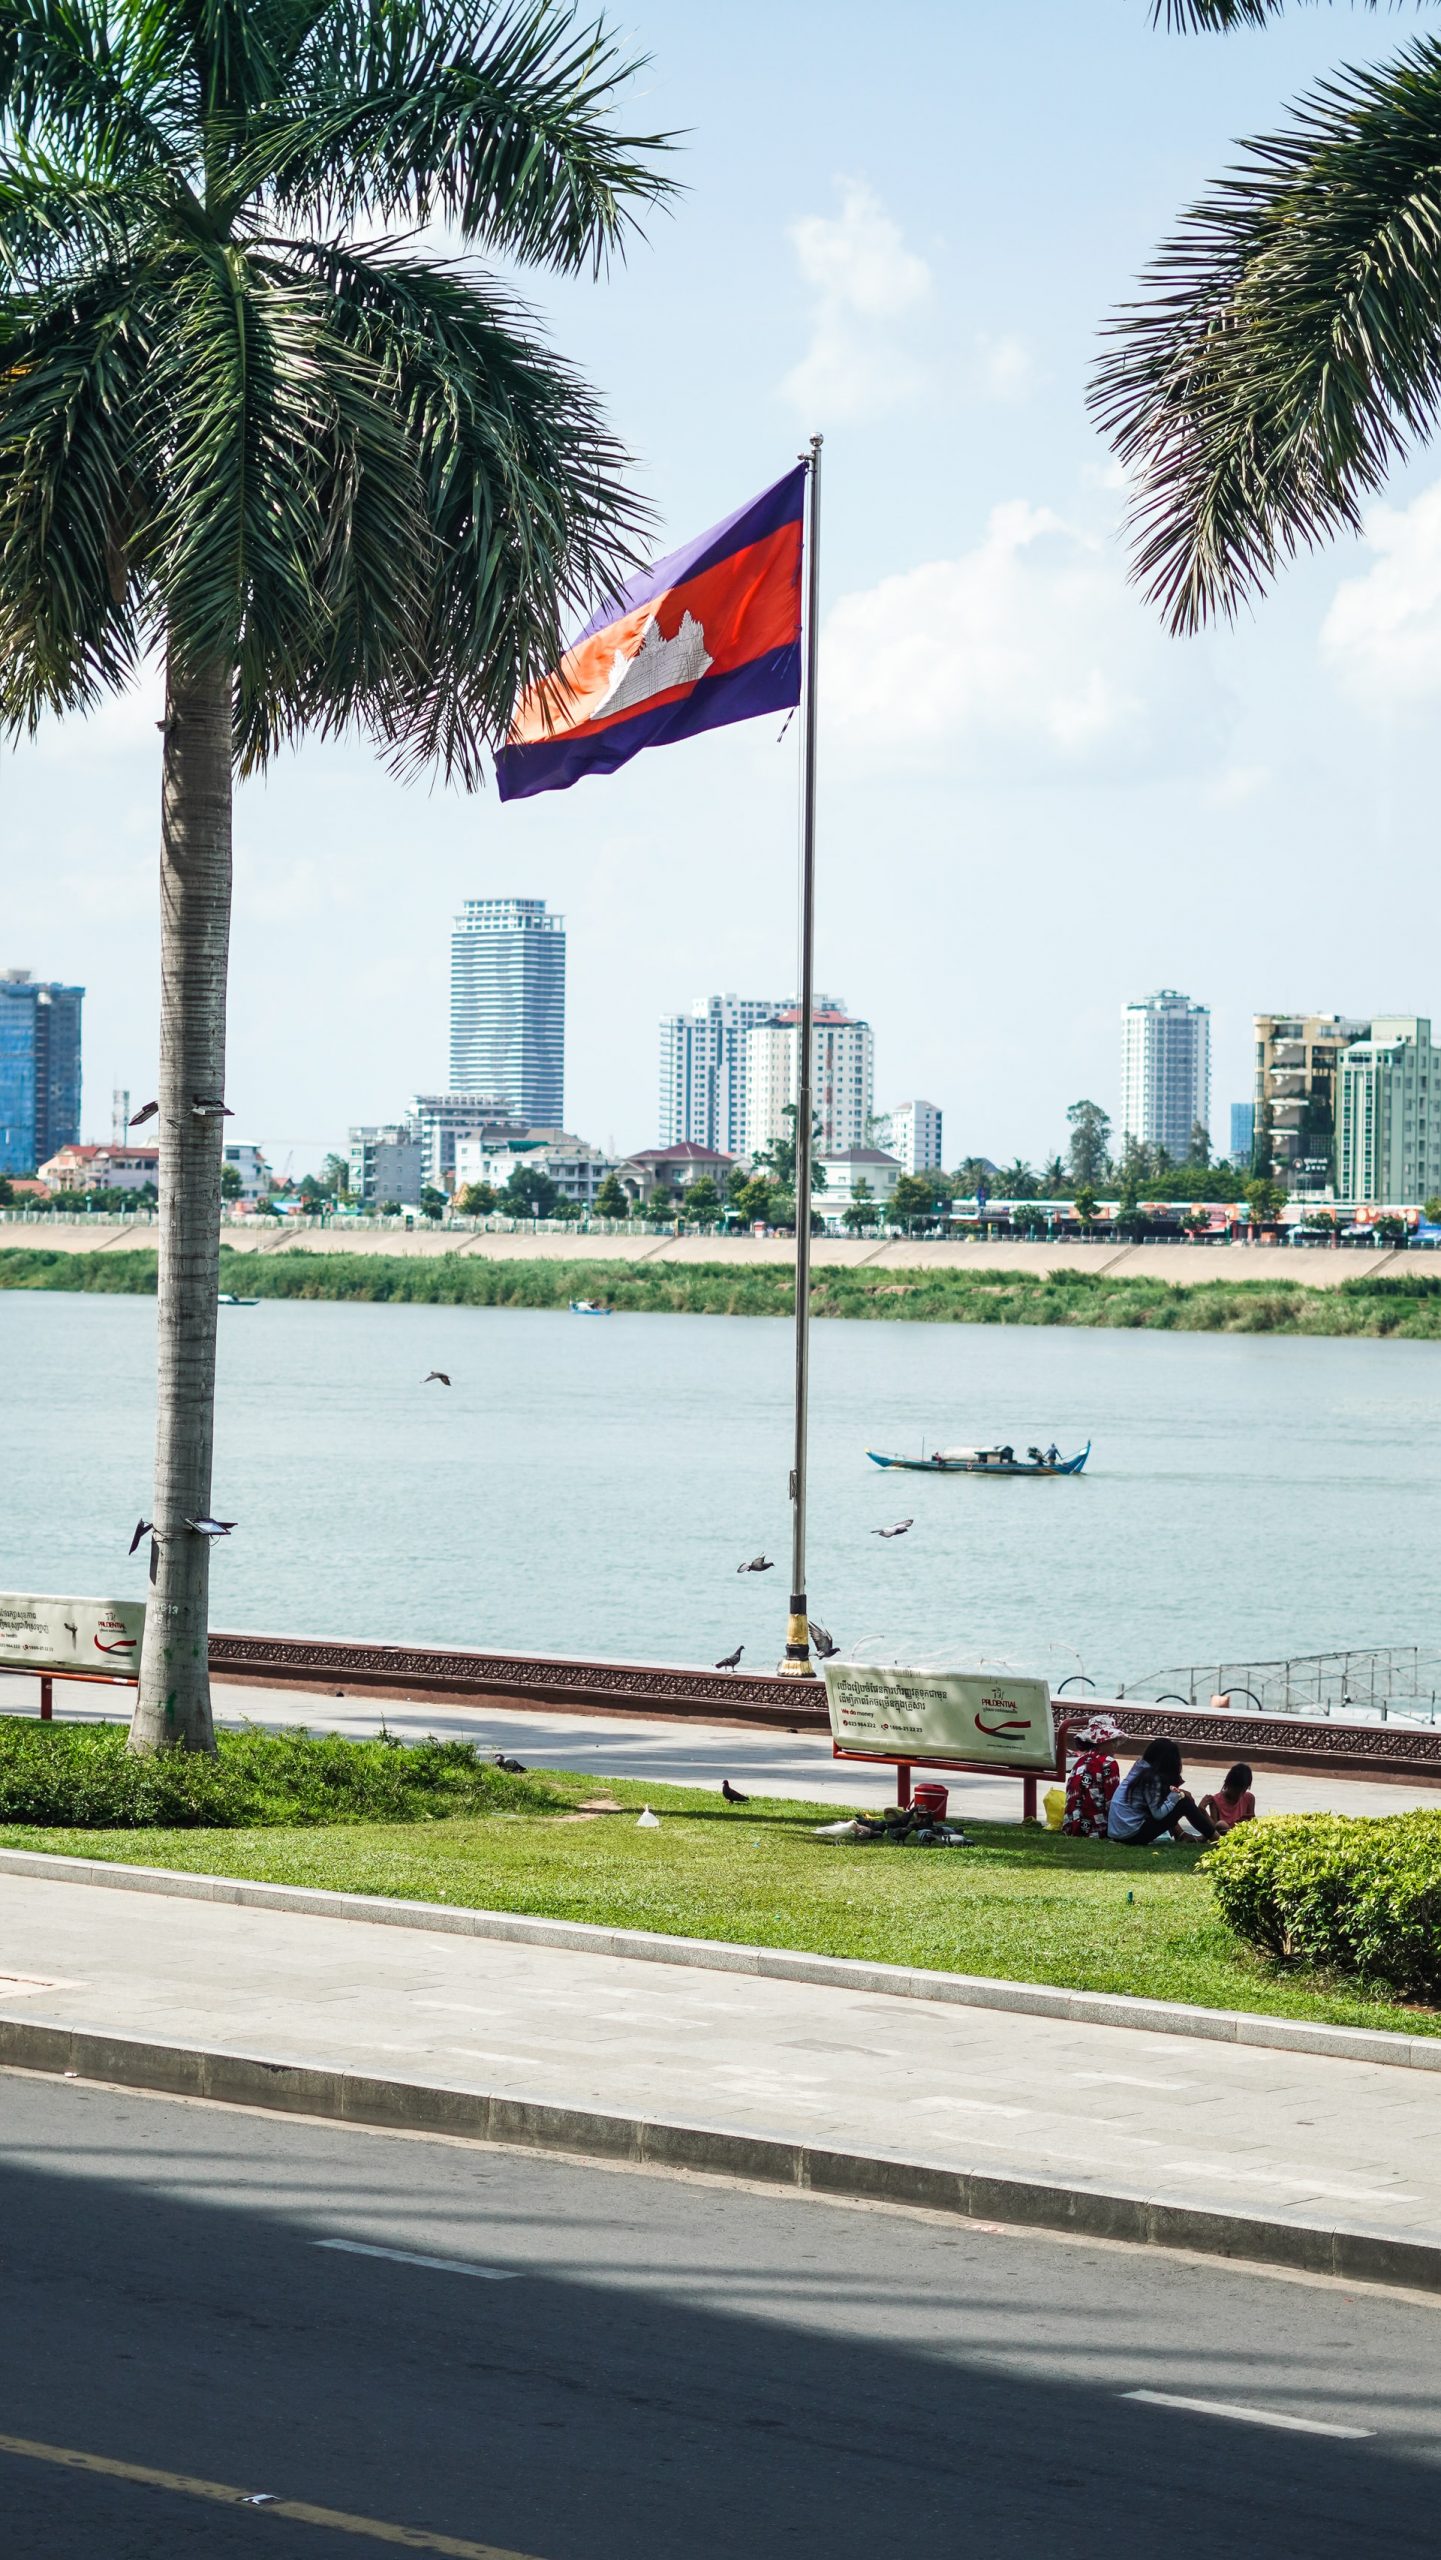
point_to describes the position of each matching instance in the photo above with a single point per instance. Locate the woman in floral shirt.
(1092, 1777)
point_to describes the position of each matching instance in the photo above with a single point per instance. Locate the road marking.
(1248, 2417)
(411, 2258)
(219, 2493)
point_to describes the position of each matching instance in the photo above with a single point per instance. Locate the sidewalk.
(679, 1754)
(1242, 2150)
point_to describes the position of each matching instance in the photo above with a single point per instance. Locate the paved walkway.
(682, 1755)
(1310, 2141)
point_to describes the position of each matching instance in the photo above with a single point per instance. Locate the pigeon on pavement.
(732, 1794)
(897, 1531)
(438, 1375)
(758, 1564)
(143, 1528)
(728, 1661)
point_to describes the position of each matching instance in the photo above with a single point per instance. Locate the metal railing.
(1365, 1684)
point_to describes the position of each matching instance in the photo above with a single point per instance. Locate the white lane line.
(1248, 2417)
(411, 2258)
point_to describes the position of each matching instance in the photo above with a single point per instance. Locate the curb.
(405, 2106)
(717, 1955)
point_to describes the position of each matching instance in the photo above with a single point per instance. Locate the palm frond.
(493, 119)
(71, 497)
(1289, 347)
(1219, 16)
(103, 83)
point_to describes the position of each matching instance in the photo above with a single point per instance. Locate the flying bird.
(211, 1528)
(897, 1530)
(143, 1528)
(728, 1661)
(758, 1564)
(437, 1375)
(146, 1111)
(512, 1768)
(821, 1637)
(732, 1794)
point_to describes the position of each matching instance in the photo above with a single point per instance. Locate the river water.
(590, 1486)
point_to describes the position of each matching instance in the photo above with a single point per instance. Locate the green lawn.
(1026, 1906)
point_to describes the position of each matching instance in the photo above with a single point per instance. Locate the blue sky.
(902, 227)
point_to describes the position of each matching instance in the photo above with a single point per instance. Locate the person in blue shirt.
(1150, 1800)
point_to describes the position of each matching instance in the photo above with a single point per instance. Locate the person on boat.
(1150, 1800)
(1053, 1456)
(1093, 1774)
(1233, 1801)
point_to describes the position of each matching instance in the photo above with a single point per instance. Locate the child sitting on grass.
(1233, 1801)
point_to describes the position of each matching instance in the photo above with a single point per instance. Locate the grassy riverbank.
(1408, 1305)
(1021, 1906)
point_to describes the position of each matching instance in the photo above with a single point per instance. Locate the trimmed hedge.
(81, 1777)
(1357, 1895)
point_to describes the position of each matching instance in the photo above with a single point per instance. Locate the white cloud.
(1026, 658)
(866, 285)
(1382, 636)
(1006, 368)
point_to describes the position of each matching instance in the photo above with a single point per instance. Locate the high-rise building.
(1297, 1058)
(703, 1070)
(1165, 1071)
(1243, 1133)
(507, 1007)
(1388, 1119)
(912, 1134)
(442, 1118)
(842, 1077)
(39, 1069)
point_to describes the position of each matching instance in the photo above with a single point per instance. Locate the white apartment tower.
(1165, 1071)
(842, 1077)
(1388, 1120)
(507, 1007)
(912, 1134)
(703, 1070)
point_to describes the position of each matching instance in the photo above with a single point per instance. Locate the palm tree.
(329, 478)
(1288, 349)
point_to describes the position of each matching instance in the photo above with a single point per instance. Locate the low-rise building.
(912, 1133)
(675, 1168)
(1388, 1121)
(855, 1174)
(575, 1167)
(441, 1118)
(246, 1160)
(111, 1168)
(385, 1165)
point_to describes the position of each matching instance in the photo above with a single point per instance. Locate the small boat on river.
(227, 1298)
(985, 1462)
(590, 1307)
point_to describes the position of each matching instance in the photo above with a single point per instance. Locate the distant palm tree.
(331, 480)
(1289, 347)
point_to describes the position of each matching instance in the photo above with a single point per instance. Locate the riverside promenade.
(1181, 1265)
(1254, 2138)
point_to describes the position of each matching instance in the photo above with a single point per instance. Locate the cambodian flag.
(712, 634)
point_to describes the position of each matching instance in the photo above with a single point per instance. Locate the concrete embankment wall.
(1309, 1267)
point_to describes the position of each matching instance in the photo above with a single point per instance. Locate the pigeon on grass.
(512, 1768)
(732, 1794)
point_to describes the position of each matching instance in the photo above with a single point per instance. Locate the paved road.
(682, 1755)
(674, 2370)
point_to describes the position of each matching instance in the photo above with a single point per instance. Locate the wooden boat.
(983, 1462)
(590, 1307)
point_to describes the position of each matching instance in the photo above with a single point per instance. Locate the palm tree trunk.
(173, 1708)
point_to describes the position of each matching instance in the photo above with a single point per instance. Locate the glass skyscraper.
(39, 1069)
(507, 1007)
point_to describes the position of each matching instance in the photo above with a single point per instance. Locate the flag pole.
(797, 1664)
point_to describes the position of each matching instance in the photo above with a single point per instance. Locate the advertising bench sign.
(100, 1638)
(933, 1716)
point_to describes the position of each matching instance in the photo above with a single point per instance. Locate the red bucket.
(931, 1800)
